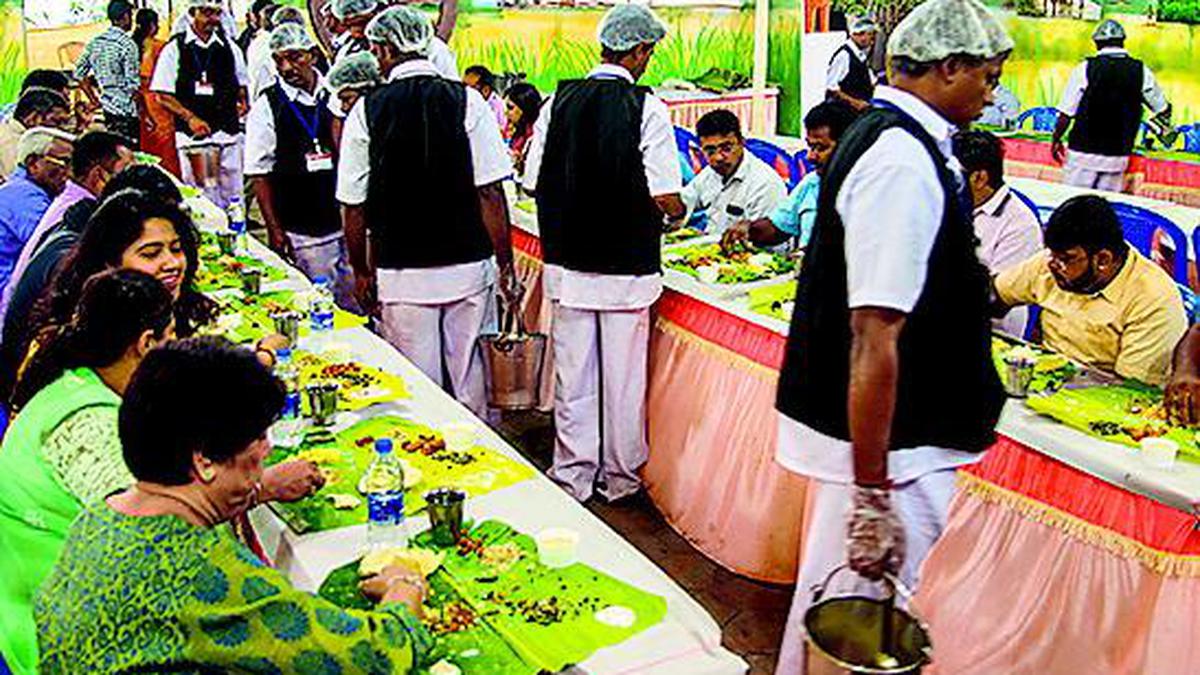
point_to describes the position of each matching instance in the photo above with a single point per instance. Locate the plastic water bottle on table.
(321, 307)
(383, 484)
(237, 223)
(287, 430)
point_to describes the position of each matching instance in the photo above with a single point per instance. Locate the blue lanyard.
(203, 69)
(310, 125)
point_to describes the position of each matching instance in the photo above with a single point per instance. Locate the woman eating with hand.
(149, 580)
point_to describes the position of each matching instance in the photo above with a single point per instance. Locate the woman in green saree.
(149, 581)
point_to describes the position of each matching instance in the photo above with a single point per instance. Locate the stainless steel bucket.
(205, 162)
(865, 635)
(512, 361)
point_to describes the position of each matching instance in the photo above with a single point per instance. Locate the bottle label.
(386, 508)
(291, 406)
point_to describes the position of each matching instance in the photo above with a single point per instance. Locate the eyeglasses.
(726, 147)
(59, 161)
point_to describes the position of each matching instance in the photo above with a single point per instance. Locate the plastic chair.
(1142, 225)
(691, 158)
(777, 158)
(1033, 324)
(804, 163)
(1044, 118)
(1037, 211)
(1191, 303)
(1190, 133)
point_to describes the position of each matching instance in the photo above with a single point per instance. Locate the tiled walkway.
(751, 614)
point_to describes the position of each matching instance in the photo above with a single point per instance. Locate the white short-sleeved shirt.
(586, 290)
(491, 161)
(891, 205)
(166, 77)
(753, 192)
(839, 66)
(260, 65)
(443, 59)
(1152, 96)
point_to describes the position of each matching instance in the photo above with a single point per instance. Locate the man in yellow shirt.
(1103, 303)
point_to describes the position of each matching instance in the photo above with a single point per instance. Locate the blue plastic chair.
(803, 161)
(1037, 210)
(1190, 133)
(1191, 303)
(1044, 118)
(691, 157)
(1032, 323)
(1140, 226)
(777, 158)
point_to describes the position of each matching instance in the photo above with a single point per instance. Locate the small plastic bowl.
(1158, 452)
(460, 436)
(557, 546)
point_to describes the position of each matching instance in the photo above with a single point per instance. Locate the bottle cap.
(320, 281)
(383, 445)
(283, 354)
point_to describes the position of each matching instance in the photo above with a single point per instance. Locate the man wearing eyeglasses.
(44, 161)
(735, 185)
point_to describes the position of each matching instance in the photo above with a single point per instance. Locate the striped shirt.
(112, 57)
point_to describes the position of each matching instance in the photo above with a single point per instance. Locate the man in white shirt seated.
(1008, 230)
(735, 185)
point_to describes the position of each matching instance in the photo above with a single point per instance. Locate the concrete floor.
(751, 614)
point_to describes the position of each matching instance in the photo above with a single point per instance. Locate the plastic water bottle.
(320, 312)
(290, 421)
(237, 222)
(384, 485)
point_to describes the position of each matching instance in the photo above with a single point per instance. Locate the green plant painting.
(12, 49)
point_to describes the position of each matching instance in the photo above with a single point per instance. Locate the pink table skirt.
(1045, 569)
(712, 424)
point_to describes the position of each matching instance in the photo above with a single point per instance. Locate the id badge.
(318, 161)
(204, 89)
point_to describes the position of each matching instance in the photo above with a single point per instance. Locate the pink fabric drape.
(1085, 577)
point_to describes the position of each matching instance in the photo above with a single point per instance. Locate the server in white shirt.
(735, 185)
(849, 77)
(354, 15)
(291, 160)
(201, 80)
(421, 170)
(604, 169)
(260, 62)
(1104, 97)
(888, 384)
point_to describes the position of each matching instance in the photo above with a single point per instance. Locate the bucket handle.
(512, 323)
(890, 580)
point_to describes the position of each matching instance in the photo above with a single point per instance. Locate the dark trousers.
(128, 127)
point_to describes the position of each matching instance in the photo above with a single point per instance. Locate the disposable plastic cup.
(557, 546)
(1159, 453)
(460, 436)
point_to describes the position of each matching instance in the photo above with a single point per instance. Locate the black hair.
(979, 150)
(1089, 222)
(150, 180)
(144, 23)
(529, 101)
(45, 78)
(115, 308)
(115, 225)
(95, 148)
(1110, 42)
(613, 56)
(486, 78)
(836, 116)
(720, 122)
(180, 402)
(906, 66)
(119, 9)
(39, 100)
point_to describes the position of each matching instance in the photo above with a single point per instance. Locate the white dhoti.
(1095, 172)
(326, 257)
(600, 364)
(228, 183)
(441, 338)
(922, 506)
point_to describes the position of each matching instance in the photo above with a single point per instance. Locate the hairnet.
(356, 70)
(198, 4)
(287, 14)
(627, 26)
(405, 28)
(937, 29)
(1109, 30)
(290, 36)
(348, 8)
(862, 24)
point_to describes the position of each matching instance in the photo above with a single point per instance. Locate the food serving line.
(1064, 552)
(686, 641)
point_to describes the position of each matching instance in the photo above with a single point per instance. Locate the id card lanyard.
(319, 159)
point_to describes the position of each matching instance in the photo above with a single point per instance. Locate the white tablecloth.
(686, 642)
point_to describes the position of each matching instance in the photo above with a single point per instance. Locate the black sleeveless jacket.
(306, 203)
(219, 111)
(1111, 110)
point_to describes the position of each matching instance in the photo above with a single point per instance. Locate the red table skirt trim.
(1085, 506)
(1169, 175)
(757, 343)
(526, 243)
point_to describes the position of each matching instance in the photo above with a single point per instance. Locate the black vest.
(948, 394)
(220, 109)
(422, 204)
(306, 204)
(595, 212)
(857, 82)
(1111, 109)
